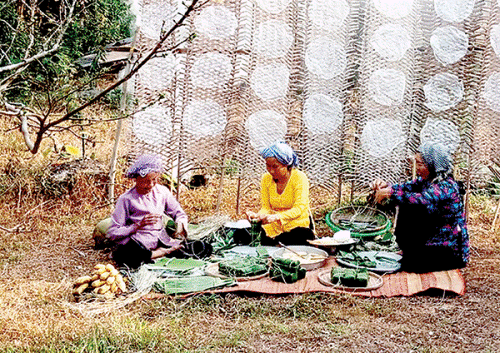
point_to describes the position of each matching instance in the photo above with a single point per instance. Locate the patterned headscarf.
(282, 152)
(437, 158)
(145, 164)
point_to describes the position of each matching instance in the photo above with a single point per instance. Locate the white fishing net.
(353, 86)
(443, 91)
(273, 39)
(454, 10)
(325, 58)
(394, 9)
(391, 41)
(449, 44)
(216, 22)
(270, 82)
(211, 70)
(387, 86)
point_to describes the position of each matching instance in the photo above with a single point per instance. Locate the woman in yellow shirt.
(284, 191)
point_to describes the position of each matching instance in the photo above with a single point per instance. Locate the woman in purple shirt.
(137, 228)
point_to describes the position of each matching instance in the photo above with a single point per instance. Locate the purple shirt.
(131, 207)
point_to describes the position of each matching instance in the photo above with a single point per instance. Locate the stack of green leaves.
(222, 240)
(350, 277)
(243, 266)
(173, 267)
(255, 233)
(286, 270)
(357, 260)
(184, 285)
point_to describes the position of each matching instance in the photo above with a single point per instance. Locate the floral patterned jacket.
(443, 200)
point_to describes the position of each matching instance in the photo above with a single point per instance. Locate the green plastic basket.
(361, 221)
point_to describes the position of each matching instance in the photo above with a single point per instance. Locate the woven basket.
(361, 221)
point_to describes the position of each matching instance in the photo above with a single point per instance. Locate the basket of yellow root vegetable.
(105, 281)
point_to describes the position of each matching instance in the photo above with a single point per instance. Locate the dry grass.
(53, 246)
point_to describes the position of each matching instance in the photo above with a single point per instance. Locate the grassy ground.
(45, 243)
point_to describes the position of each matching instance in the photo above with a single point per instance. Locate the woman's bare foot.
(160, 252)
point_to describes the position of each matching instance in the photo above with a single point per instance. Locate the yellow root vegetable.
(99, 267)
(110, 280)
(103, 289)
(110, 267)
(109, 295)
(121, 284)
(82, 280)
(97, 283)
(104, 276)
(79, 290)
(100, 271)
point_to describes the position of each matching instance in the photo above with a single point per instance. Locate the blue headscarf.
(437, 158)
(145, 164)
(282, 152)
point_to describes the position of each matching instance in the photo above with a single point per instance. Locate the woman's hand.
(180, 231)
(379, 184)
(174, 248)
(382, 194)
(262, 217)
(148, 220)
(252, 216)
(269, 218)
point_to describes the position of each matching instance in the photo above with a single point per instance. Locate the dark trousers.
(132, 254)
(296, 236)
(430, 259)
(414, 227)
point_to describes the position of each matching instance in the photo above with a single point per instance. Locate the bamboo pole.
(238, 191)
(497, 212)
(340, 189)
(119, 126)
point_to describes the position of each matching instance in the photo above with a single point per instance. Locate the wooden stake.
(497, 212)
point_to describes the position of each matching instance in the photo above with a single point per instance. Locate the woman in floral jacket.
(431, 228)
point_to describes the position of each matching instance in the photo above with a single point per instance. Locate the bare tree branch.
(151, 54)
(42, 125)
(60, 31)
(31, 59)
(26, 134)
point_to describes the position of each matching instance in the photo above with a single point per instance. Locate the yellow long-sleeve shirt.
(292, 205)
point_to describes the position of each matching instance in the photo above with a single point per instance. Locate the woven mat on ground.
(395, 284)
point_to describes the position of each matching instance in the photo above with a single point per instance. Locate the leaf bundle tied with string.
(349, 277)
(286, 270)
(243, 267)
(357, 260)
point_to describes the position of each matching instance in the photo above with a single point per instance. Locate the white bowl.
(318, 256)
